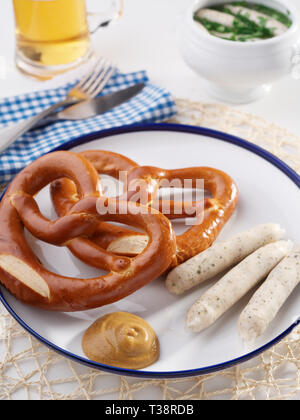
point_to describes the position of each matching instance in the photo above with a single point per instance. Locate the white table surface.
(145, 39)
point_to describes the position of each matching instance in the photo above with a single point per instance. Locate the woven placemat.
(39, 373)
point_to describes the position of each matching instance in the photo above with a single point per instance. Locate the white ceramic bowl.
(239, 72)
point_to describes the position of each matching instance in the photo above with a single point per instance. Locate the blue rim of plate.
(290, 173)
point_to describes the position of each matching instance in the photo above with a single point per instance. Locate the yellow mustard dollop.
(123, 340)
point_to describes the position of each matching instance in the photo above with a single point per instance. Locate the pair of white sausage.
(228, 20)
(270, 297)
(235, 284)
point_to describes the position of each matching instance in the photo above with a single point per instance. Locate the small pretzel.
(24, 275)
(217, 210)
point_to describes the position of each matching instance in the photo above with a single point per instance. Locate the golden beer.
(51, 32)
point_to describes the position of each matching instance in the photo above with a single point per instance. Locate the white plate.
(269, 192)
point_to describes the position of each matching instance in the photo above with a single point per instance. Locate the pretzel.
(217, 210)
(64, 197)
(24, 275)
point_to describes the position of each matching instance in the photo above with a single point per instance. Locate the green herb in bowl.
(243, 21)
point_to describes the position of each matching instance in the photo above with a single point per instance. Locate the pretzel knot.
(24, 275)
(214, 211)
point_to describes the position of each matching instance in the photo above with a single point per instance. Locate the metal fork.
(88, 88)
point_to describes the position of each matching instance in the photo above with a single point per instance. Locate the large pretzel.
(217, 210)
(24, 275)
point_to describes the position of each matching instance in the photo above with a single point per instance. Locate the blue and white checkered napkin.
(153, 104)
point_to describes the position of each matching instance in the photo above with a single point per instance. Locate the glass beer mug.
(54, 35)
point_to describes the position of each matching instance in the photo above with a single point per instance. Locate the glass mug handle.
(111, 14)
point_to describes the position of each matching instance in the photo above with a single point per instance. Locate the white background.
(145, 39)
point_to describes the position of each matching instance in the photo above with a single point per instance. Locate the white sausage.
(270, 297)
(216, 16)
(221, 256)
(235, 284)
(279, 28)
(200, 26)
